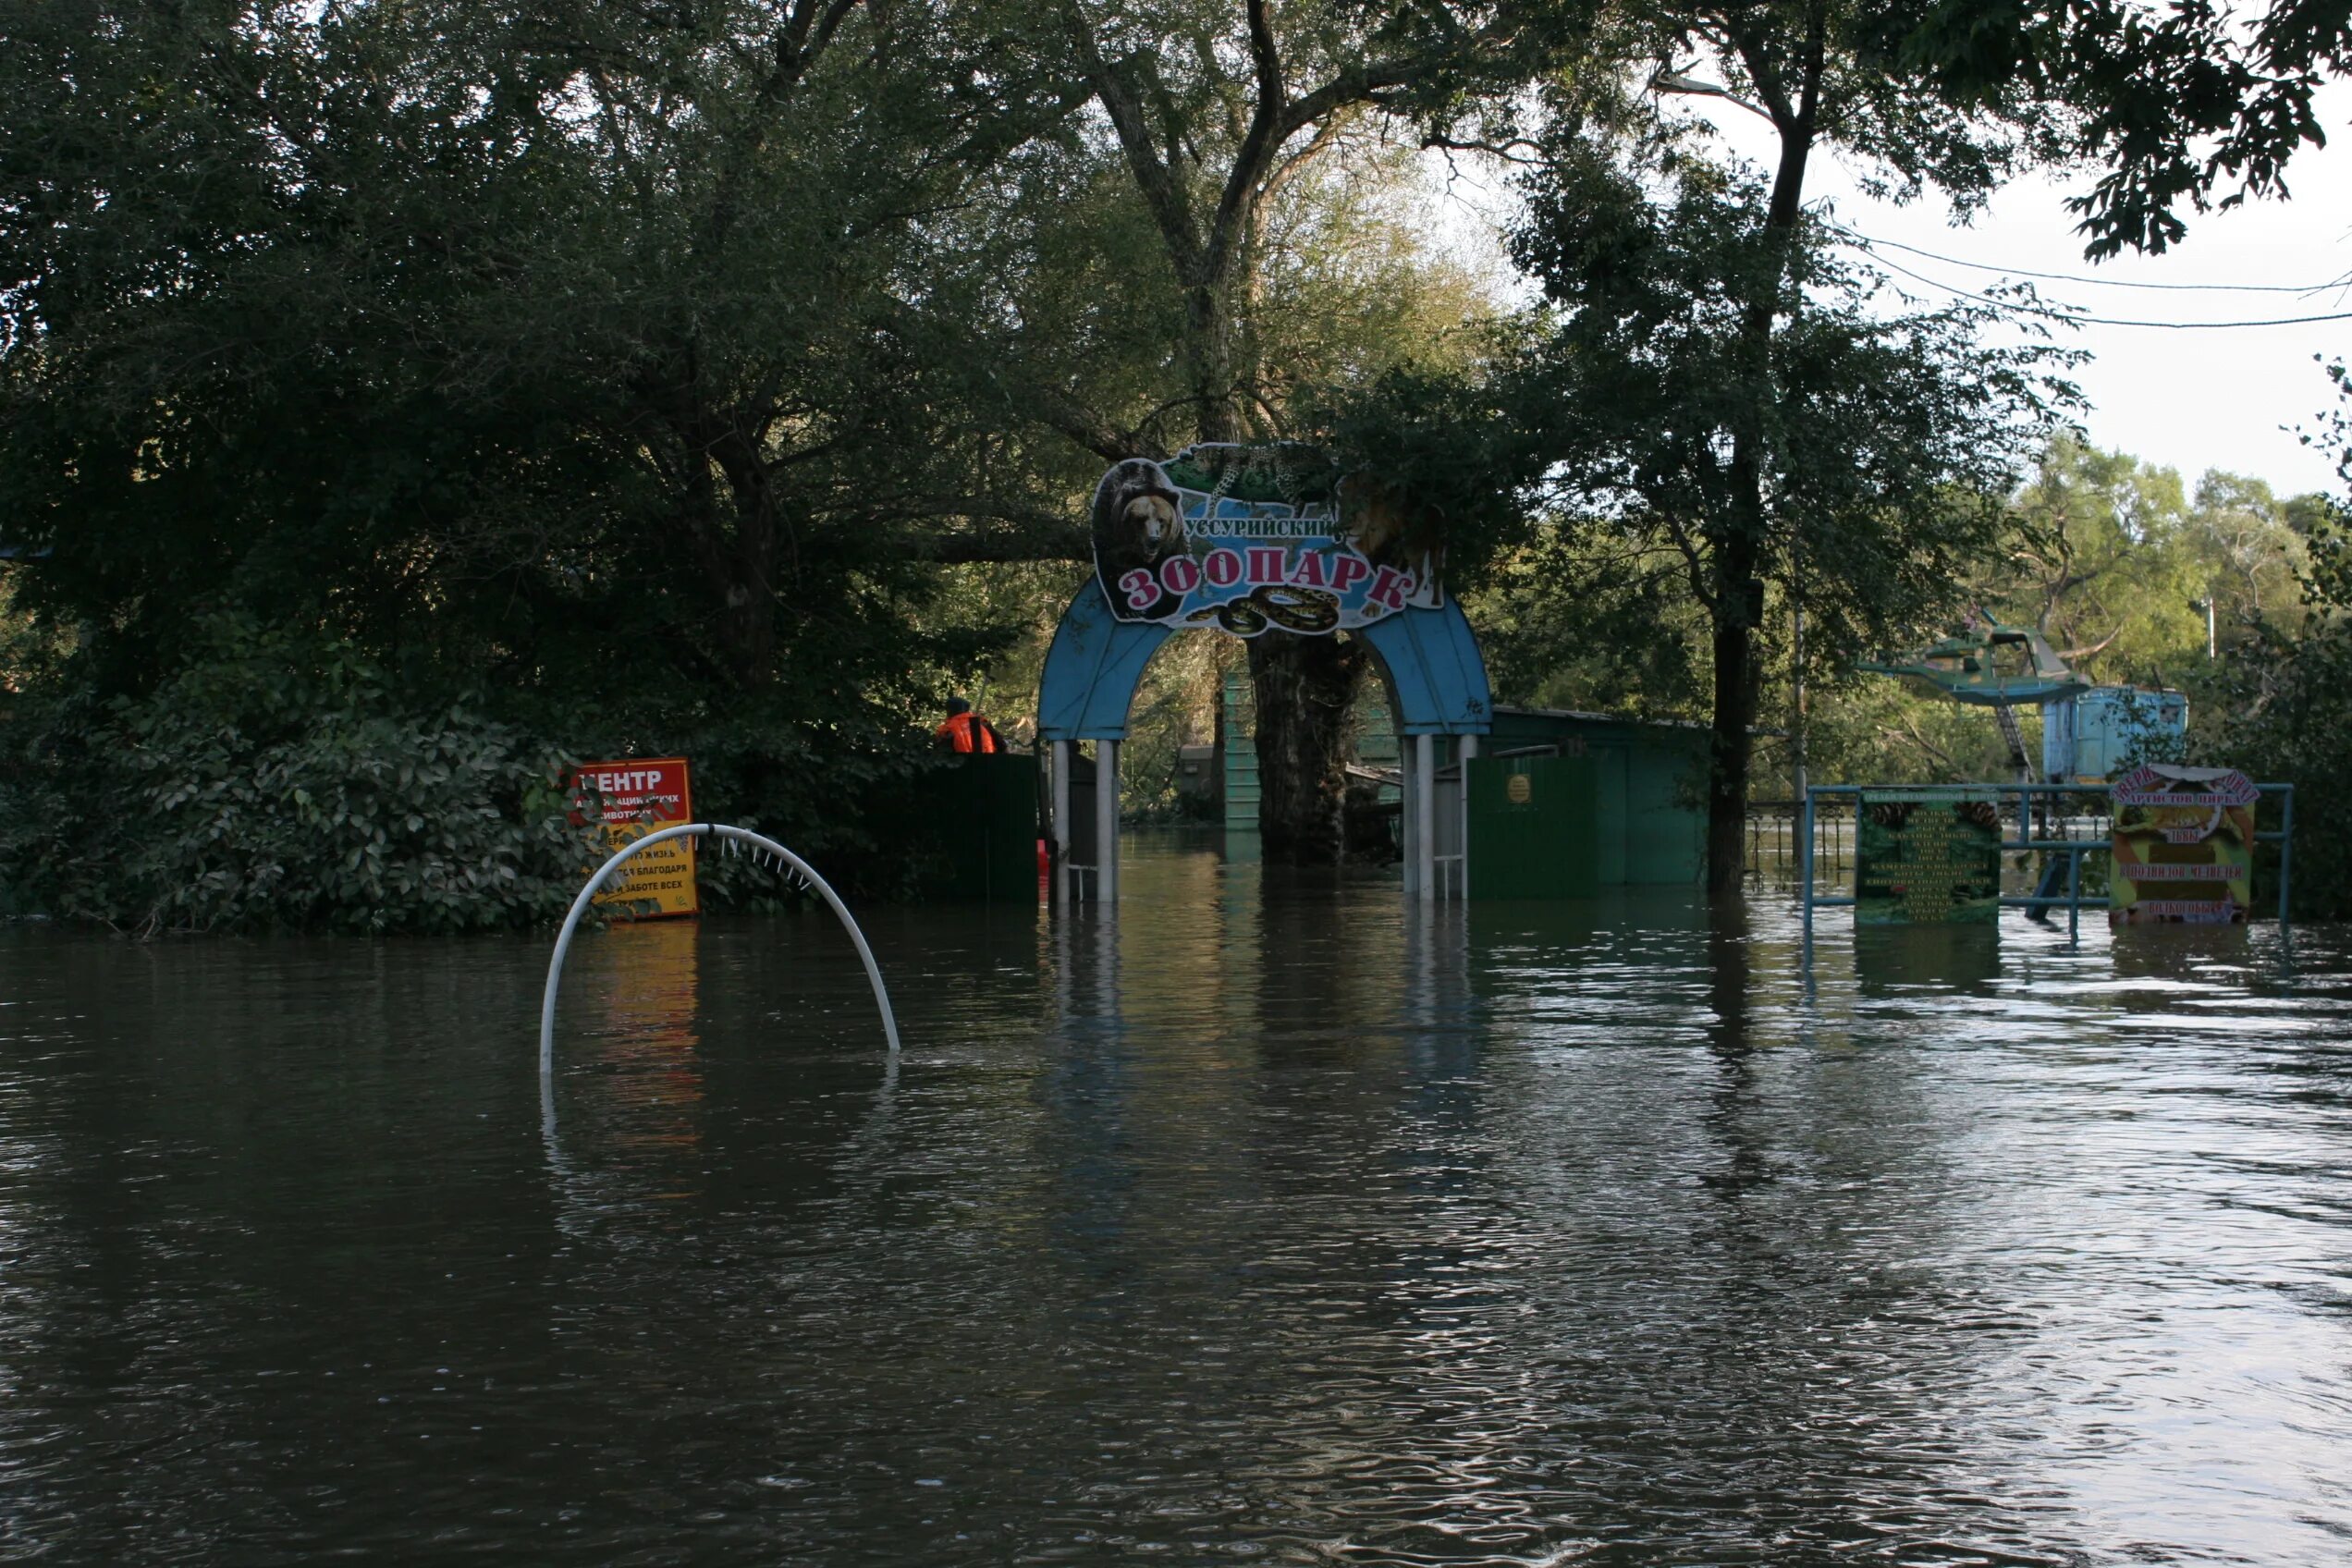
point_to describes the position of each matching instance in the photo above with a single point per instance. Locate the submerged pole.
(2286, 850)
(2074, 898)
(1425, 838)
(1106, 821)
(1466, 752)
(1062, 751)
(1804, 857)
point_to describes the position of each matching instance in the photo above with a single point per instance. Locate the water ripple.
(1277, 1225)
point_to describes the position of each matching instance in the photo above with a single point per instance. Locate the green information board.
(1927, 858)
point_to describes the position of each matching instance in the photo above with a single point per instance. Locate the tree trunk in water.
(1734, 743)
(1307, 689)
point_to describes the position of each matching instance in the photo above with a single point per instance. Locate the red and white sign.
(631, 799)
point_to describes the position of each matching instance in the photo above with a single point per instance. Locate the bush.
(279, 779)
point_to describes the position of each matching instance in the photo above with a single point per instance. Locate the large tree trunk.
(1305, 685)
(1733, 751)
(1307, 689)
(1209, 364)
(1739, 551)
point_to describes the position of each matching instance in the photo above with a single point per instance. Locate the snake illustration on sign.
(1251, 539)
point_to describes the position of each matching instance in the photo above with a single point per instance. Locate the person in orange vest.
(967, 731)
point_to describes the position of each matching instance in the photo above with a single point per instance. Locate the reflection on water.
(1280, 1221)
(1946, 961)
(646, 995)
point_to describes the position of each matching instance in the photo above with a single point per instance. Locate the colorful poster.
(1252, 539)
(630, 800)
(1927, 857)
(2184, 848)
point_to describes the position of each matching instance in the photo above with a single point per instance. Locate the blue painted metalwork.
(2074, 903)
(1991, 666)
(1436, 670)
(1090, 670)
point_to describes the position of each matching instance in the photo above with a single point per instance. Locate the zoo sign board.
(1251, 539)
(1927, 858)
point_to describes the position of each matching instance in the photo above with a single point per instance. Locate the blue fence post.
(1805, 858)
(2286, 849)
(2074, 897)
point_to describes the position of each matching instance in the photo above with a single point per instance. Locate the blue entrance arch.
(1435, 671)
(1097, 659)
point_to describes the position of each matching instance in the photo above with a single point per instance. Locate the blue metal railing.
(2073, 849)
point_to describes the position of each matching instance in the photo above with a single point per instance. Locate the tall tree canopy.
(1713, 379)
(622, 307)
(1219, 114)
(2174, 101)
(582, 356)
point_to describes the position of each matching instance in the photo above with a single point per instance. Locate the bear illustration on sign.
(1139, 523)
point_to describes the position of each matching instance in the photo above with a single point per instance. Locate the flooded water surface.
(1280, 1223)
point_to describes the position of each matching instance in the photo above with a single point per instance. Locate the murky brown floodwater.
(1280, 1227)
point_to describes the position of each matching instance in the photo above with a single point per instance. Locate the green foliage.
(279, 779)
(1592, 623)
(2108, 557)
(2293, 724)
(1869, 730)
(1175, 706)
(404, 397)
(2173, 102)
(2290, 696)
(1884, 440)
(577, 380)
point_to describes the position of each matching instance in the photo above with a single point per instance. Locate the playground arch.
(1436, 675)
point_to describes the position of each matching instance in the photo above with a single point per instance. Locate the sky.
(2187, 399)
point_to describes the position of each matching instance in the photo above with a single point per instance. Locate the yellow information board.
(630, 800)
(2184, 847)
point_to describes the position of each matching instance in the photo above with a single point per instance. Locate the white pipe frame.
(1106, 821)
(694, 830)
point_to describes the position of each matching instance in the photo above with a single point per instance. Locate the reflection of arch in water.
(691, 830)
(1429, 658)
(577, 1190)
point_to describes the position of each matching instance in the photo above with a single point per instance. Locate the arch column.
(1089, 681)
(1058, 828)
(1106, 821)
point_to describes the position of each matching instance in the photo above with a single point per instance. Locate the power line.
(2097, 282)
(2080, 319)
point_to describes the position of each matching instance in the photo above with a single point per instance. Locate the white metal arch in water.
(696, 831)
